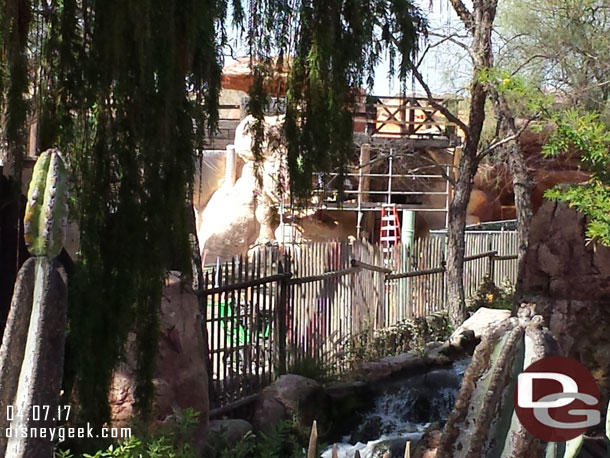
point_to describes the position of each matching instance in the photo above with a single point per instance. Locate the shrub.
(173, 440)
(489, 295)
(408, 335)
(318, 369)
(287, 440)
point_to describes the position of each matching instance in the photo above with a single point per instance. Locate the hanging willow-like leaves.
(15, 16)
(131, 88)
(126, 91)
(332, 47)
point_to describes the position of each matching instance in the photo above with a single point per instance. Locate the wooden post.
(313, 441)
(281, 315)
(335, 452)
(230, 165)
(491, 266)
(364, 183)
(408, 450)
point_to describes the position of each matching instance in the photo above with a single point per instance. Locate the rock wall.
(492, 198)
(568, 280)
(181, 379)
(559, 262)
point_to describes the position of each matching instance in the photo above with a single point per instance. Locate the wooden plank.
(229, 287)
(374, 268)
(416, 273)
(324, 276)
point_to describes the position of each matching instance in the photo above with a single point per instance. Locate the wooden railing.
(378, 116)
(404, 116)
(287, 304)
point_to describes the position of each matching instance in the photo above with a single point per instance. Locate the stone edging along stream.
(294, 396)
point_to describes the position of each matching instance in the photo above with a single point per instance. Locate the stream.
(403, 409)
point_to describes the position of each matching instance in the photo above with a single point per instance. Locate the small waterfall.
(403, 409)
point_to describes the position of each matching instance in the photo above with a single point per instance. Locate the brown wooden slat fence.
(286, 304)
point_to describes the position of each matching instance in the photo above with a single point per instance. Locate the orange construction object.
(389, 229)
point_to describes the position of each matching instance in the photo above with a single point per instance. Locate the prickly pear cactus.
(483, 422)
(46, 212)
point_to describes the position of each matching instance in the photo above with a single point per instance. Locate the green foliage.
(287, 440)
(172, 441)
(491, 296)
(318, 369)
(567, 51)
(15, 18)
(583, 133)
(129, 90)
(409, 335)
(524, 97)
(331, 47)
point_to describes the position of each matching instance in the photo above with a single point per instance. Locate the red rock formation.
(180, 379)
(492, 198)
(237, 75)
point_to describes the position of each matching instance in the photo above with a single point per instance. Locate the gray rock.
(181, 379)
(35, 335)
(288, 396)
(482, 320)
(392, 448)
(233, 429)
(369, 429)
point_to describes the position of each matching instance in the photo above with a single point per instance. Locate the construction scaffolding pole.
(363, 183)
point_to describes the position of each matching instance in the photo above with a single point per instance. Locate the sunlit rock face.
(492, 197)
(240, 215)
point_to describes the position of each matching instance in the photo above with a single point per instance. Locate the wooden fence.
(284, 305)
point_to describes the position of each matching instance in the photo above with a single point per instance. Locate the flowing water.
(402, 411)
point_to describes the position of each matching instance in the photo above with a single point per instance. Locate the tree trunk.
(455, 238)
(479, 23)
(522, 182)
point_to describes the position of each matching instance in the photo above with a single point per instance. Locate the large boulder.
(228, 225)
(232, 429)
(480, 321)
(239, 216)
(483, 205)
(568, 280)
(559, 262)
(288, 396)
(181, 379)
